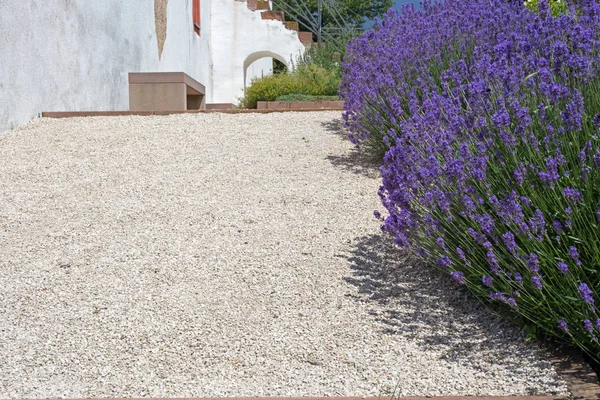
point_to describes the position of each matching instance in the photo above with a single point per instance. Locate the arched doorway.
(258, 56)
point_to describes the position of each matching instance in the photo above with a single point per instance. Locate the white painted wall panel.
(240, 37)
(74, 55)
(258, 69)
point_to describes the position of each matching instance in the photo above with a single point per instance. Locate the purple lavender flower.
(587, 325)
(469, 203)
(440, 242)
(487, 281)
(564, 268)
(461, 254)
(562, 324)
(479, 238)
(585, 172)
(512, 302)
(537, 224)
(557, 227)
(498, 296)
(568, 224)
(525, 200)
(486, 223)
(551, 174)
(585, 293)
(458, 276)
(572, 114)
(574, 255)
(454, 86)
(509, 242)
(572, 194)
(533, 263)
(501, 118)
(536, 282)
(518, 177)
(445, 261)
(518, 279)
(597, 159)
(494, 266)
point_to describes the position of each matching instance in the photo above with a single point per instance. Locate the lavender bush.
(489, 117)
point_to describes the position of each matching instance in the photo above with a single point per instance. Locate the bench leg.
(196, 102)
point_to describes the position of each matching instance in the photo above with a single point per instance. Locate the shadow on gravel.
(423, 304)
(354, 161)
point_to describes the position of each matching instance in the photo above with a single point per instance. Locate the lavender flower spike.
(564, 268)
(585, 293)
(487, 281)
(458, 276)
(563, 325)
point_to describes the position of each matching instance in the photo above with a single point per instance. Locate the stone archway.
(263, 54)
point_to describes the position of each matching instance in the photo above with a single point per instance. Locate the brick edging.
(348, 398)
(75, 114)
(300, 105)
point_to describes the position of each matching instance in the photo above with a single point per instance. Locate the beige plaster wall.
(160, 19)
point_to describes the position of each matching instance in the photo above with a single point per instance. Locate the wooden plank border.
(78, 114)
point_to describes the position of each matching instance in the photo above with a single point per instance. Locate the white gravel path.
(222, 255)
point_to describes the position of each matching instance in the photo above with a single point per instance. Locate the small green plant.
(324, 56)
(557, 7)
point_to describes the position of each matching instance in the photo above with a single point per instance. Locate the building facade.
(75, 55)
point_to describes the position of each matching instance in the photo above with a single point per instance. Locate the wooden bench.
(165, 91)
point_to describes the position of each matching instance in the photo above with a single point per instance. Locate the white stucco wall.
(184, 50)
(74, 55)
(59, 55)
(239, 38)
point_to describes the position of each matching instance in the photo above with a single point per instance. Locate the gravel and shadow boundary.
(215, 255)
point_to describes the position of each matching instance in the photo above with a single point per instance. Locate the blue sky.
(400, 2)
(397, 5)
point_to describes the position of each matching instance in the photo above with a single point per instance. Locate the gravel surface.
(222, 255)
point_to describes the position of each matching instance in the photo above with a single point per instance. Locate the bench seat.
(165, 91)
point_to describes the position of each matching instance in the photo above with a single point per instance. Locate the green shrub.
(324, 56)
(269, 88)
(317, 81)
(556, 6)
(316, 73)
(306, 79)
